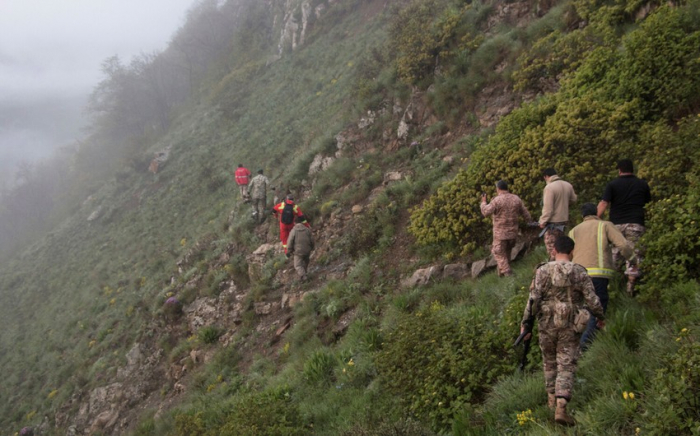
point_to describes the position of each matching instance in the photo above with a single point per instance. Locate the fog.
(50, 57)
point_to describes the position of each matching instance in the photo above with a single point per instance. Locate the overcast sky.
(50, 56)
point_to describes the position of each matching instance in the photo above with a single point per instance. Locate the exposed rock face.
(201, 313)
(495, 103)
(257, 259)
(320, 163)
(296, 21)
(95, 214)
(223, 310)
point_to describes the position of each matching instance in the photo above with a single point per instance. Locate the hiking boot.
(560, 415)
(551, 401)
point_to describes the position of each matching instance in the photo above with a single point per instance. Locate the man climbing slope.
(286, 212)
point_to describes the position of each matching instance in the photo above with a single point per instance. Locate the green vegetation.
(363, 356)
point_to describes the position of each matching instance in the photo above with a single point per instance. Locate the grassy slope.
(74, 301)
(153, 222)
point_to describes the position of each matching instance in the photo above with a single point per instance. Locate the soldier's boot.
(560, 415)
(551, 401)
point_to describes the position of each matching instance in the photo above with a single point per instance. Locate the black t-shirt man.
(627, 196)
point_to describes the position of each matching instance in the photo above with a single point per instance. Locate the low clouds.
(50, 55)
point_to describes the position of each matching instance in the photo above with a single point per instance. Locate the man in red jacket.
(286, 212)
(242, 176)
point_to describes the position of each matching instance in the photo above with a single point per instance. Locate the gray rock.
(478, 267)
(263, 308)
(421, 277)
(517, 249)
(95, 214)
(457, 271)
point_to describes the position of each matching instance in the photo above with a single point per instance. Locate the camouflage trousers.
(501, 249)
(631, 232)
(258, 206)
(551, 235)
(560, 353)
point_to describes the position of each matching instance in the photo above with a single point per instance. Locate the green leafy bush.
(598, 116)
(319, 367)
(209, 334)
(416, 47)
(272, 412)
(673, 404)
(438, 360)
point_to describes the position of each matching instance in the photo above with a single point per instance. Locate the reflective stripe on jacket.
(592, 250)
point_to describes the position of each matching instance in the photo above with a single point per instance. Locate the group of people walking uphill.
(569, 294)
(295, 231)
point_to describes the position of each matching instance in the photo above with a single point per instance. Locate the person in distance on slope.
(258, 191)
(242, 177)
(286, 212)
(300, 244)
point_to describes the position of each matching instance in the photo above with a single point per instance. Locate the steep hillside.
(158, 307)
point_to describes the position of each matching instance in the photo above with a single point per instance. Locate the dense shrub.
(271, 412)
(415, 46)
(673, 405)
(672, 242)
(438, 360)
(594, 120)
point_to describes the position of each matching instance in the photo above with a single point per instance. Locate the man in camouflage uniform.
(558, 194)
(627, 195)
(506, 208)
(257, 191)
(560, 293)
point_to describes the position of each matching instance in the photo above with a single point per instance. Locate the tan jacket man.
(556, 198)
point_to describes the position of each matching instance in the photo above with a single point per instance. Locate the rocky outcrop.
(462, 271)
(320, 163)
(257, 259)
(422, 277)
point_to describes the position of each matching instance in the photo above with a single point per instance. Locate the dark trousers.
(601, 290)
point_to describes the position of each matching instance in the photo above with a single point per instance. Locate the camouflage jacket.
(258, 186)
(506, 208)
(557, 293)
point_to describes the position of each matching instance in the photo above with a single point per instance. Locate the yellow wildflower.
(625, 395)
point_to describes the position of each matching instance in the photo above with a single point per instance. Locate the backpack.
(288, 214)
